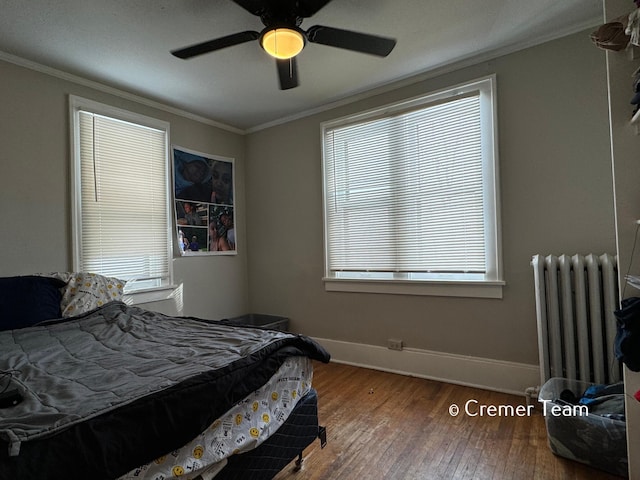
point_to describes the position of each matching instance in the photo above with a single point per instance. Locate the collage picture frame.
(204, 201)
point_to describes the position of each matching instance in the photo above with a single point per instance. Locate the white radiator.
(575, 300)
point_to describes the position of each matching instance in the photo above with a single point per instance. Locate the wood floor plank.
(384, 426)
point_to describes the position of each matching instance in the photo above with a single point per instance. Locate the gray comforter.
(75, 370)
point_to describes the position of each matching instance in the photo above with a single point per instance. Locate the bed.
(91, 387)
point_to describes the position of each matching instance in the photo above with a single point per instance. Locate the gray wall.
(556, 189)
(556, 197)
(35, 189)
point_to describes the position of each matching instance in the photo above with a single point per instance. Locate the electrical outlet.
(394, 344)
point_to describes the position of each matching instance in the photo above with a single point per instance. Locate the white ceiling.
(126, 44)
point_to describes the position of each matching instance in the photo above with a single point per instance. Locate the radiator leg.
(531, 395)
(299, 461)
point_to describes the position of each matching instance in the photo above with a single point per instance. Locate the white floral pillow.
(86, 291)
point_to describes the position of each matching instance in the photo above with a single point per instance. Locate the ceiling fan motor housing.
(283, 41)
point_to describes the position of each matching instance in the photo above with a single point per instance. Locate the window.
(411, 201)
(121, 214)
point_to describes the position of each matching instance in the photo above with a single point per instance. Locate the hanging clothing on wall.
(633, 27)
(627, 341)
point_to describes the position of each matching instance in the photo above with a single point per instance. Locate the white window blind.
(124, 222)
(406, 192)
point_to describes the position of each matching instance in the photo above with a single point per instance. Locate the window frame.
(77, 104)
(488, 285)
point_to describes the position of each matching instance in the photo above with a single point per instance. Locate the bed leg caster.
(298, 465)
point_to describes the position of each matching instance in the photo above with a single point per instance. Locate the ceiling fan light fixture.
(282, 43)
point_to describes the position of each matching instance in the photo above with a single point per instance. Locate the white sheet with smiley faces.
(244, 427)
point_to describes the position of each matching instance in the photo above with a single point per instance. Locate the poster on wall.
(204, 192)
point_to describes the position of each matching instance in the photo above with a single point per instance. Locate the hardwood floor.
(387, 426)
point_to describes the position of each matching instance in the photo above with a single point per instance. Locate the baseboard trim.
(496, 375)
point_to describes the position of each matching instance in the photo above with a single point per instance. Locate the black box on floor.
(575, 434)
(273, 322)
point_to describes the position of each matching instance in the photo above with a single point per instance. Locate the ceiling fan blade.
(287, 73)
(217, 44)
(359, 42)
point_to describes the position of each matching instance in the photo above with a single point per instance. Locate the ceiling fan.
(283, 38)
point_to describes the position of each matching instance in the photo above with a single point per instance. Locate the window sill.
(477, 289)
(151, 295)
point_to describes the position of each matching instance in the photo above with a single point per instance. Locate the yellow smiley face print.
(177, 471)
(254, 432)
(198, 451)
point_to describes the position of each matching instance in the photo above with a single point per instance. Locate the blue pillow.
(27, 300)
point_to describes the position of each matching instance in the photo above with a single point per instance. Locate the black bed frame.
(289, 441)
